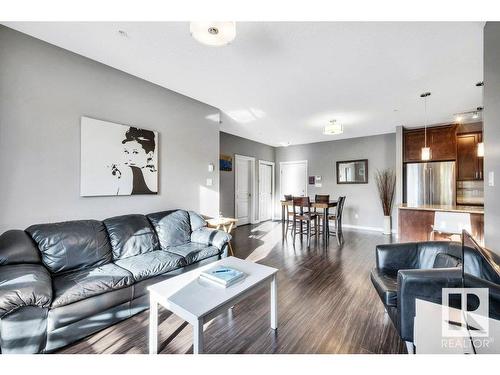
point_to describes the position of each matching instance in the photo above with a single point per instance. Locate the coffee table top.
(191, 297)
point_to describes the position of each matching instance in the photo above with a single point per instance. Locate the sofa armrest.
(24, 285)
(211, 237)
(394, 257)
(425, 284)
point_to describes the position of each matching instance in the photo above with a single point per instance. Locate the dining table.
(323, 205)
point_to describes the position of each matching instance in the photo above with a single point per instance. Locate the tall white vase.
(387, 225)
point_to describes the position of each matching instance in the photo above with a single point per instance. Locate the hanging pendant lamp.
(426, 151)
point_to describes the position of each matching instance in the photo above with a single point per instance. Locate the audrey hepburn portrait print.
(117, 159)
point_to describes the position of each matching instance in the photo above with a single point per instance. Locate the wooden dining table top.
(332, 203)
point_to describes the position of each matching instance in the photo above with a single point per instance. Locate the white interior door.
(265, 192)
(293, 178)
(243, 190)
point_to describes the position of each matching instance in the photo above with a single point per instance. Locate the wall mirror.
(352, 172)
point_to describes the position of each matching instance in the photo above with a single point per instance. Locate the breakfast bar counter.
(415, 223)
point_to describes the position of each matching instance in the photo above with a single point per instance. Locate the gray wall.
(362, 207)
(231, 145)
(44, 90)
(491, 125)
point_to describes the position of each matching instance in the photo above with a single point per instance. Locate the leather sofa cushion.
(72, 245)
(130, 235)
(16, 247)
(75, 286)
(196, 221)
(154, 263)
(173, 227)
(427, 252)
(87, 308)
(443, 260)
(210, 237)
(24, 285)
(194, 252)
(386, 285)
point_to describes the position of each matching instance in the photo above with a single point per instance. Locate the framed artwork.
(225, 163)
(352, 172)
(117, 159)
(312, 180)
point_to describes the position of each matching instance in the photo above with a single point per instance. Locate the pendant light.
(426, 151)
(480, 145)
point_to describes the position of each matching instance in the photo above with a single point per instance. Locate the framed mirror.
(352, 172)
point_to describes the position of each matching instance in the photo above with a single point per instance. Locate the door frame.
(294, 162)
(273, 186)
(252, 182)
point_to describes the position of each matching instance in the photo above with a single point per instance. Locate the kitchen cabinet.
(441, 140)
(443, 143)
(469, 165)
(413, 143)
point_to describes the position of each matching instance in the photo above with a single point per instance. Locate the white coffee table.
(197, 301)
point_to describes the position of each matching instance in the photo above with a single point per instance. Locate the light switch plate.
(209, 182)
(211, 167)
(491, 178)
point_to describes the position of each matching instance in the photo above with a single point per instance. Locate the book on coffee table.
(224, 276)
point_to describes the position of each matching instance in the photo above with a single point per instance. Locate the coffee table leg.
(274, 303)
(198, 337)
(153, 326)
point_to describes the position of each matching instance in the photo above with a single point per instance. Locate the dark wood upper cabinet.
(469, 165)
(413, 143)
(441, 140)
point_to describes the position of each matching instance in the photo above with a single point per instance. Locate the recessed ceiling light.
(213, 33)
(123, 33)
(284, 144)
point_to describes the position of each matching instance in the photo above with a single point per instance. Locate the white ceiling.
(282, 81)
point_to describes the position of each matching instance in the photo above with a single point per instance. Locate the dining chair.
(302, 214)
(337, 219)
(289, 214)
(321, 198)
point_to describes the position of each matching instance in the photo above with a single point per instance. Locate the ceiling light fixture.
(333, 128)
(215, 34)
(469, 115)
(426, 151)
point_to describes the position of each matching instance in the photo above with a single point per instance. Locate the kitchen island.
(415, 222)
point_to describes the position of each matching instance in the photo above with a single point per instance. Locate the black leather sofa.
(407, 271)
(61, 282)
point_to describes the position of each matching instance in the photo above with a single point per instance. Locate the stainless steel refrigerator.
(430, 183)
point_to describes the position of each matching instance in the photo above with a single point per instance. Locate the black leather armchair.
(408, 271)
(413, 270)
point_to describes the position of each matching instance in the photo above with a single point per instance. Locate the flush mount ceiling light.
(333, 128)
(213, 33)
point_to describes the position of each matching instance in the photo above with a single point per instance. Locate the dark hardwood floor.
(326, 304)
